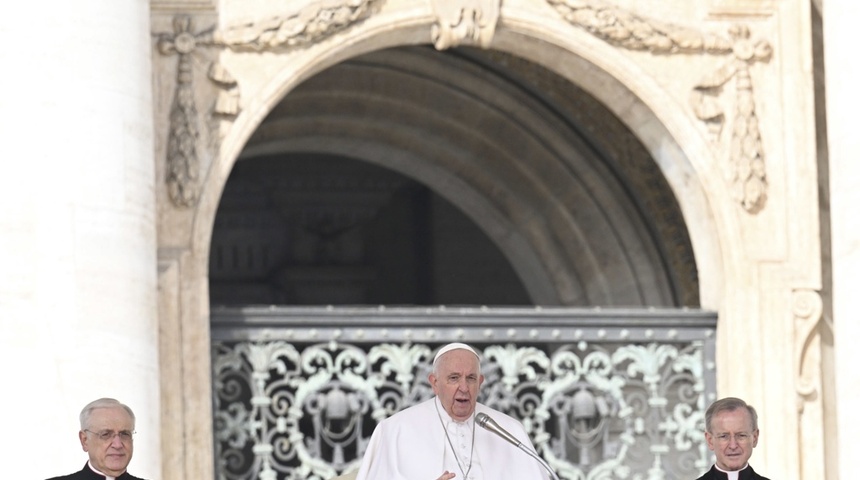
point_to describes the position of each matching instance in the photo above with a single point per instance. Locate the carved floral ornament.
(461, 22)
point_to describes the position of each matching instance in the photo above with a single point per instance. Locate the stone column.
(77, 229)
(843, 100)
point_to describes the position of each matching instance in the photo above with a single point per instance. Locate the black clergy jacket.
(745, 474)
(87, 473)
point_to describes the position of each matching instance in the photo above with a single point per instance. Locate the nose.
(116, 442)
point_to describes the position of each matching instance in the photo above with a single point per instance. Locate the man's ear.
(82, 435)
(432, 379)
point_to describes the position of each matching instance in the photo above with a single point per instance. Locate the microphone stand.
(539, 459)
(484, 421)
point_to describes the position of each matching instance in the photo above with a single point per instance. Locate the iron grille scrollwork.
(603, 396)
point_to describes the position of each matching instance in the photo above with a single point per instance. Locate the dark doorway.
(310, 229)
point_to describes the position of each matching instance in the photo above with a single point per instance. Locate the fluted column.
(843, 100)
(77, 228)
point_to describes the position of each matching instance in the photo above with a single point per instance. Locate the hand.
(447, 475)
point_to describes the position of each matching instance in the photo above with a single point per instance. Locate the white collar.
(107, 477)
(733, 475)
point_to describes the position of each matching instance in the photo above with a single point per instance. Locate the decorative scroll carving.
(313, 23)
(464, 22)
(746, 170)
(183, 162)
(593, 409)
(807, 308)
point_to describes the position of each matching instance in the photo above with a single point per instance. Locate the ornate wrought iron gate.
(604, 394)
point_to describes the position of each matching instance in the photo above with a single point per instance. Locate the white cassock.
(412, 445)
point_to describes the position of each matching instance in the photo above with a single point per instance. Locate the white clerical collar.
(107, 477)
(733, 475)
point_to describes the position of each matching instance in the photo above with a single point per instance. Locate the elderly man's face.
(732, 438)
(456, 383)
(111, 454)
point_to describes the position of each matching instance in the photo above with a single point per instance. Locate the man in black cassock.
(731, 430)
(107, 435)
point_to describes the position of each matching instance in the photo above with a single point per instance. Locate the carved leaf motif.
(630, 31)
(312, 23)
(517, 361)
(271, 355)
(646, 360)
(399, 360)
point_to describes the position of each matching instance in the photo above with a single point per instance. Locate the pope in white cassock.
(439, 439)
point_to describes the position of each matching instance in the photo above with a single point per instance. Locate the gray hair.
(729, 404)
(87, 412)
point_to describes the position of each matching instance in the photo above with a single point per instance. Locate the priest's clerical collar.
(100, 473)
(733, 475)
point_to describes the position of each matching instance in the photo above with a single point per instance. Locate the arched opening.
(555, 185)
(311, 229)
(409, 176)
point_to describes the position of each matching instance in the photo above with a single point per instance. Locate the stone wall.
(719, 92)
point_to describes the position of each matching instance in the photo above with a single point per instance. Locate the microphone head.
(482, 419)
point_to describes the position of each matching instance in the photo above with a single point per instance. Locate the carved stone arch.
(600, 74)
(747, 265)
(665, 128)
(560, 209)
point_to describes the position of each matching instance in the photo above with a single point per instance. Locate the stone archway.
(758, 288)
(585, 220)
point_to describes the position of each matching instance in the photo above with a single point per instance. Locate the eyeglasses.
(107, 435)
(739, 437)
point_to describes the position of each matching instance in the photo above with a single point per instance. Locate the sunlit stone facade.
(123, 120)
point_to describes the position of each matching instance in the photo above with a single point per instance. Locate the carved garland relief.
(311, 24)
(746, 169)
(473, 22)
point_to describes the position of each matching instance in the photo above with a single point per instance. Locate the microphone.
(484, 421)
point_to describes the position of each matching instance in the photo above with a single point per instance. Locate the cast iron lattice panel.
(603, 394)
